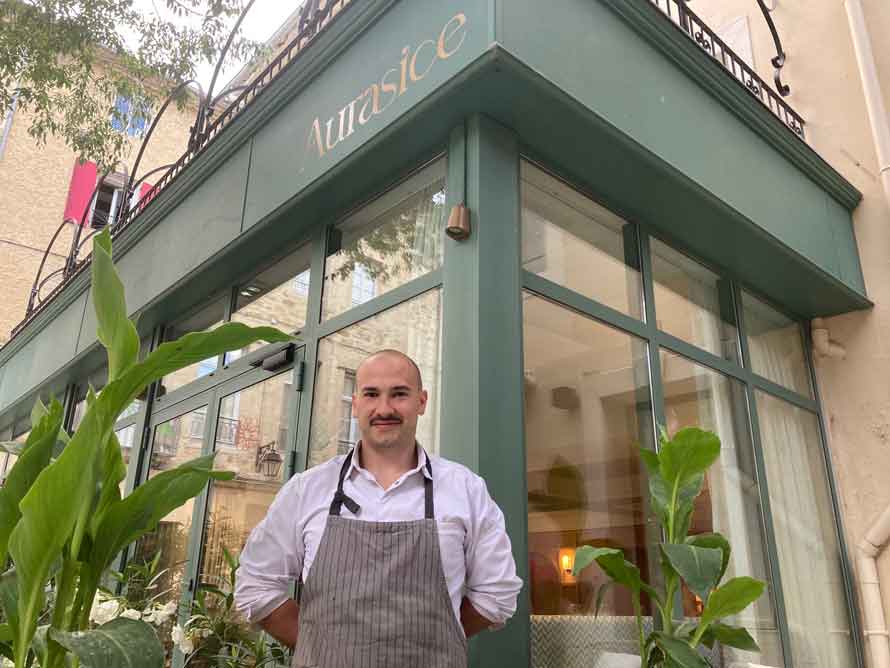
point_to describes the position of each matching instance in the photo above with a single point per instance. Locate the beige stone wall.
(827, 91)
(34, 181)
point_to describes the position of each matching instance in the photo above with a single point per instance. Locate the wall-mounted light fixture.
(268, 460)
(458, 227)
(566, 564)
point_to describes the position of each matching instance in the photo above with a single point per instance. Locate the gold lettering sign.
(415, 63)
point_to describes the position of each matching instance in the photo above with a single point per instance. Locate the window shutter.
(80, 190)
(144, 189)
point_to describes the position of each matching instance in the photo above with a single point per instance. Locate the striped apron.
(377, 596)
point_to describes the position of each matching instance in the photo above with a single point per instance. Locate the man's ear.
(354, 408)
(424, 397)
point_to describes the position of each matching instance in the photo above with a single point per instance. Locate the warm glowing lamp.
(566, 561)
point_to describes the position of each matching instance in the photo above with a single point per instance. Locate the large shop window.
(587, 410)
(730, 500)
(389, 242)
(565, 234)
(413, 327)
(806, 535)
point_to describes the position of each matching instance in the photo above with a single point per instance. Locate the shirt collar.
(421, 463)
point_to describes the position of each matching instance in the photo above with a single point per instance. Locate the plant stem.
(638, 613)
(699, 632)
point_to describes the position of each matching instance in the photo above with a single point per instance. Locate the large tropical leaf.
(687, 455)
(128, 519)
(613, 563)
(34, 458)
(698, 566)
(115, 330)
(731, 598)
(121, 643)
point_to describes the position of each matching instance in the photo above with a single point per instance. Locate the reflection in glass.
(387, 243)
(571, 240)
(207, 318)
(256, 455)
(693, 303)
(806, 535)
(173, 443)
(696, 396)
(278, 297)
(127, 438)
(587, 411)
(412, 327)
(775, 342)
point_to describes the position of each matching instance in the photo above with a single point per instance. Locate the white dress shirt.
(476, 556)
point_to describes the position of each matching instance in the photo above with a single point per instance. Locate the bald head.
(397, 355)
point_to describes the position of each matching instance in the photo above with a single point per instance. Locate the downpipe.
(870, 588)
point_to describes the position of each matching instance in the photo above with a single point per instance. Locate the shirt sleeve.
(492, 585)
(272, 559)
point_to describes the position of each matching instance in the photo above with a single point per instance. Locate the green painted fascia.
(650, 23)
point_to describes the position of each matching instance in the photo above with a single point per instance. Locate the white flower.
(130, 613)
(158, 614)
(104, 610)
(182, 639)
(206, 633)
(6, 663)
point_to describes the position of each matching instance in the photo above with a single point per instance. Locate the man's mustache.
(389, 418)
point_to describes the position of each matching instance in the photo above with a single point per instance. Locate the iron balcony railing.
(698, 31)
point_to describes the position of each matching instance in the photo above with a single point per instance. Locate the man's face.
(388, 401)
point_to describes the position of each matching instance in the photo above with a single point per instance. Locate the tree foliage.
(65, 62)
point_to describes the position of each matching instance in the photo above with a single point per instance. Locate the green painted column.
(482, 372)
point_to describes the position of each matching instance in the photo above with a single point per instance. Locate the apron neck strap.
(340, 498)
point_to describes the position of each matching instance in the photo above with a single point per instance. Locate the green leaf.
(115, 471)
(9, 600)
(731, 598)
(137, 514)
(732, 636)
(715, 541)
(660, 495)
(33, 460)
(614, 565)
(688, 455)
(600, 595)
(115, 330)
(121, 643)
(679, 653)
(650, 459)
(586, 555)
(698, 566)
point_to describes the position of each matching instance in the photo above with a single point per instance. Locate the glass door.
(248, 419)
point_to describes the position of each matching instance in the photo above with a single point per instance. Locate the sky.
(263, 19)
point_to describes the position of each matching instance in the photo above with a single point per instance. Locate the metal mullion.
(300, 459)
(196, 534)
(656, 389)
(583, 305)
(782, 392)
(846, 565)
(777, 592)
(701, 356)
(409, 290)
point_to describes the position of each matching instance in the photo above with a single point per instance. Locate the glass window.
(387, 243)
(256, 454)
(696, 396)
(775, 342)
(587, 410)
(693, 303)
(278, 297)
(127, 439)
(207, 318)
(413, 327)
(571, 240)
(173, 443)
(806, 536)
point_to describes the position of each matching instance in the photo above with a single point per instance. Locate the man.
(403, 555)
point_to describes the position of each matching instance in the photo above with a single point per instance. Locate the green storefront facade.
(646, 240)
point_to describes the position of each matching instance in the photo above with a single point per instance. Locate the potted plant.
(676, 476)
